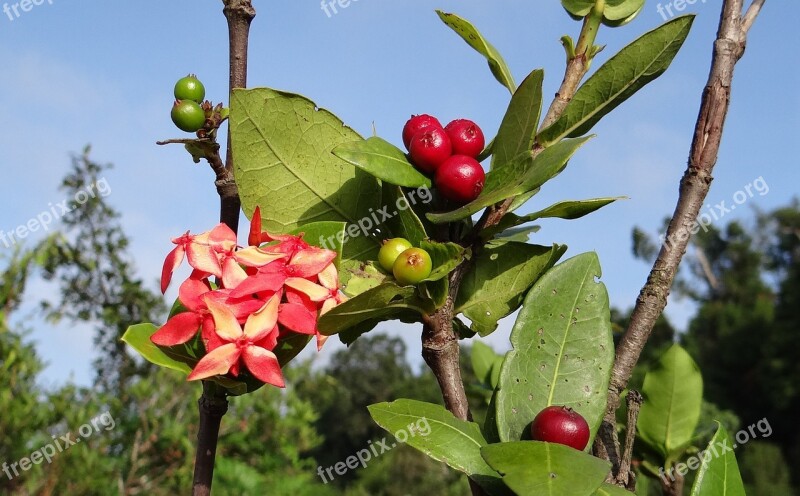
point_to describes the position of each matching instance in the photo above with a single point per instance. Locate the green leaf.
(546, 469)
(473, 37)
(578, 8)
(526, 174)
(521, 121)
(673, 393)
(282, 143)
(445, 257)
(617, 10)
(138, 337)
(499, 280)
(562, 352)
(719, 471)
(405, 223)
(383, 160)
(611, 490)
(358, 277)
(483, 358)
(387, 301)
(437, 433)
(436, 291)
(324, 235)
(618, 79)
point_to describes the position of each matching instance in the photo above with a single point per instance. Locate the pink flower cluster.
(276, 286)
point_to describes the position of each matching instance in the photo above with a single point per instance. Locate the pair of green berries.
(187, 113)
(409, 265)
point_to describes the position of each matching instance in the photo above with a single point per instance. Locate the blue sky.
(101, 73)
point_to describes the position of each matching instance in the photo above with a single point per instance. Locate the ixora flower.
(276, 287)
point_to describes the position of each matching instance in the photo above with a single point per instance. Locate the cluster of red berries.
(449, 154)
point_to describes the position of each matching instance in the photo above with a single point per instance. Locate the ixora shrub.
(328, 200)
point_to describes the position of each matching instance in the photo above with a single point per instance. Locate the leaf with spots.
(282, 144)
(562, 349)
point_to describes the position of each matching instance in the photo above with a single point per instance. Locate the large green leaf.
(673, 393)
(473, 37)
(323, 234)
(445, 257)
(719, 472)
(482, 357)
(617, 10)
(562, 352)
(546, 469)
(578, 8)
(521, 121)
(618, 79)
(611, 490)
(138, 337)
(438, 434)
(525, 174)
(383, 160)
(282, 144)
(404, 223)
(499, 279)
(387, 301)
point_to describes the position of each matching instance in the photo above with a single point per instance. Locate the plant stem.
(728, 49)
(213, 404)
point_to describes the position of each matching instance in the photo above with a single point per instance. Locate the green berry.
(412, 266)
(190, 88)
(390, 250)
(188, 116)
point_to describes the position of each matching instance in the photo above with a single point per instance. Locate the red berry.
(416, 124)
(460, 179)
(562, 425)
(429, 148)
(466, 137)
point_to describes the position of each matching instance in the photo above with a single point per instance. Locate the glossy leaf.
(719, 471)
(546, 469)
(455, 442)
(611, 490)
(578, 8)
(499, 279)
(524, 175)
(562, 352)
(385, 302)
(521, 121)
(482, 358)
(617, 10)
(673, 393)
(383, 160)
(405, 223)
(618, 79)
(473, 37)
(138, 338)
(445, 257)
(282, 143)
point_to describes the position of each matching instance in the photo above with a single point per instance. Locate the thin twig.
(728, 49)
(634, 402)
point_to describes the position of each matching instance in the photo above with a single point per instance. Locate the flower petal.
(178, 330)
(315, 292)
(329, 277)
(259, 283)
(202, 257)
(209, 335)
(321, 338)
(192, 290)
(232, 273)
(218, 362)
(310, 261)
(253, 256)
(264, 366)
(297, 318)
(173, 260)
(263, 321)
(228, 327)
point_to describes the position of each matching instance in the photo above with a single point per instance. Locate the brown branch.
(625, 477)
(213, 404)
(728, 49)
